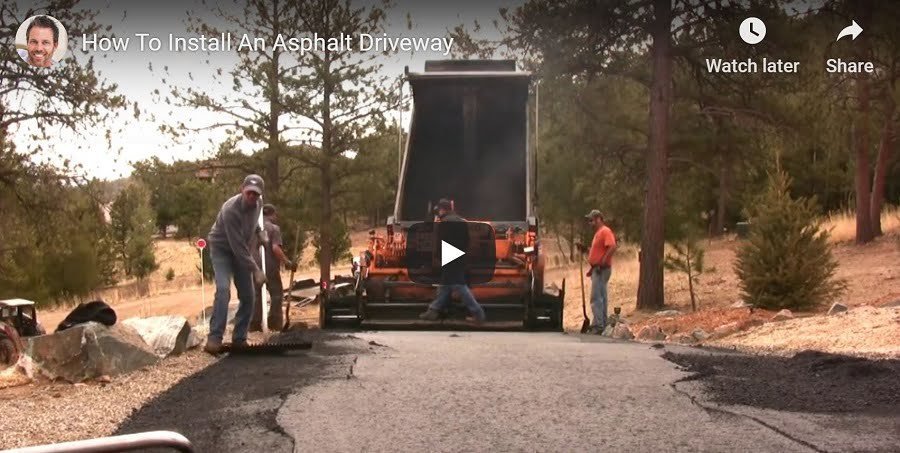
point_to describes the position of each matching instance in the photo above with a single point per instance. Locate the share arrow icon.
(853, 31)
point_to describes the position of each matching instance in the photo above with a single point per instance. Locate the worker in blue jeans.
(453, 274)
(229, 249)
(603, 246)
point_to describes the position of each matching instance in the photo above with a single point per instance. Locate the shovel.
(586, 324)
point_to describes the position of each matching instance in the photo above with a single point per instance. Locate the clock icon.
(753, 30)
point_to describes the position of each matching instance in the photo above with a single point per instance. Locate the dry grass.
(842, 225)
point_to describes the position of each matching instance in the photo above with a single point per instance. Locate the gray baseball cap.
(594, 214)
(254, 183)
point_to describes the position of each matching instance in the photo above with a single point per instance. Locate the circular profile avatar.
(41, 41)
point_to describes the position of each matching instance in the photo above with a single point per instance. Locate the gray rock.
(88, 351)
(741, 304)
(725, 330)
(699, 334)
(166, 335)
(622, 332)
(651, 333)
(783, 315)
(197, 336)
(895, 303)
(836, 308)
(668, 313)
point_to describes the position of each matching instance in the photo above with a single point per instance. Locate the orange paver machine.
(468, 142)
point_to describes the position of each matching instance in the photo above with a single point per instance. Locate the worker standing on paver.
(229, 248)
(453, 273)
(603, 246)
(275, 258)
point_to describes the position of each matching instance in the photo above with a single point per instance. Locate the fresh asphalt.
(483, 391)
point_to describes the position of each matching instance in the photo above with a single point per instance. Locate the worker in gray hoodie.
(229, 249)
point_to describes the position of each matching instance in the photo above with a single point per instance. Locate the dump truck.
(469, 142)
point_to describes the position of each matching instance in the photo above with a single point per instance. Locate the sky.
(140, 138)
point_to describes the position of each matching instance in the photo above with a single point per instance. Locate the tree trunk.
(864, 232)
(885, 154)
(325, 223)
(650, 286)
(724, 187)
(273, 154)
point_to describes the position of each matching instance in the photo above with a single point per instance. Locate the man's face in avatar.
(41, 46)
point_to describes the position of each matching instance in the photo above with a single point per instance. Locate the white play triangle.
(449, 253)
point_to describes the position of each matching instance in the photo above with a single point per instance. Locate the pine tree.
(132, 222)
(786, 261)
(687, 257)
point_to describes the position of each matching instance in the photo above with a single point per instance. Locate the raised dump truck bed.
(468, 142)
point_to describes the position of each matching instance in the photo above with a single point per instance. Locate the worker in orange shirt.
(603, 246)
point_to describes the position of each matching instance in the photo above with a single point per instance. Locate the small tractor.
(469, 142)
(18, 319)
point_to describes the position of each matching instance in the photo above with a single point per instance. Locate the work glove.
(262, 236)
(290, 265)
(259, 277)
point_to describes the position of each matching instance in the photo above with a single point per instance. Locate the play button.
(449, 253)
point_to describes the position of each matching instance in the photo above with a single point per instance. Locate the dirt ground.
(866, 331)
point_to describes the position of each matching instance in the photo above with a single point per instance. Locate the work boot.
(474, 321)
(430, 315)
(213, 347)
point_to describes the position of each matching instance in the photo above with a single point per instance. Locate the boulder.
(651, 333)
(197, 336)
(622, 332)
(836, 308)
(700, 334)
(668, 313)
(783, 315)
(895, 303)
(166, 335)
(725, 330)
(88, 351)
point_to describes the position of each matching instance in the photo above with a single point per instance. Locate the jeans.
(443, 300)
(600, 296)
(226, 267)
(275, 319)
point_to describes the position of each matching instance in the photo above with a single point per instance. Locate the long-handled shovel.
(586, 324)
(287, 294)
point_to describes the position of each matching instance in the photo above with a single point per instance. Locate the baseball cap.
(594, 214)
(254, 183)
